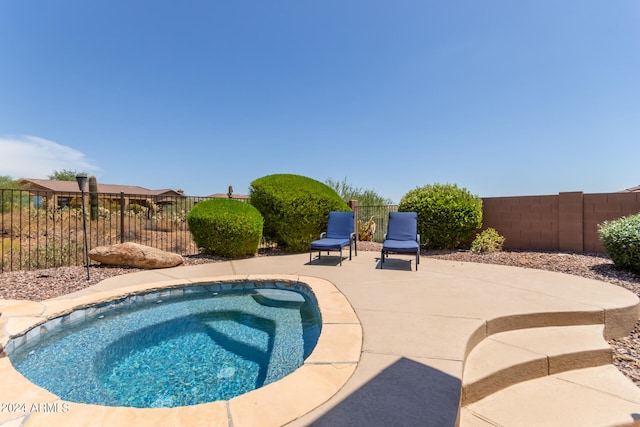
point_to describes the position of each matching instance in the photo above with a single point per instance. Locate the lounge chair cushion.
(402, 226)
(401, 246)
(340, 226)
(329, 243)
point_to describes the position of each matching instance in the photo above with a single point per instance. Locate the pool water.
(175, 351)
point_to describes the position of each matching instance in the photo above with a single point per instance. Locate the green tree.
(65, 175)
(364, 197)
(9, 199)
(8, 182)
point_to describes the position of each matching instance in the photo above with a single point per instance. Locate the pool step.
(278, 298)
(597, 396)
(512, 357)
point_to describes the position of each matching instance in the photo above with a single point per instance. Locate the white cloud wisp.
(33, 157)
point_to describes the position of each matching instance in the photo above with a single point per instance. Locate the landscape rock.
(134, 255)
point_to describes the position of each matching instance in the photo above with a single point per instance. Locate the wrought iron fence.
(379, 215)
(44, 229)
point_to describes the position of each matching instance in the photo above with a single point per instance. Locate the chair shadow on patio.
(406, 393)
(326, 260)
(398, 264)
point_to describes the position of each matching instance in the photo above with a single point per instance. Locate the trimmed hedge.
(295, 209)
(226, 227)
(448, 216)
(621, 240)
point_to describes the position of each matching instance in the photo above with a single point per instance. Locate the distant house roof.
(72, 187)
(635, 189)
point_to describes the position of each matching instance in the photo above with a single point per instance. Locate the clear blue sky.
(501, 97)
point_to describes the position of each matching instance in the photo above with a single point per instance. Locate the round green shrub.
(621, 240)
(448, 216)
(226, 227)
(487, 241)
(295, 208)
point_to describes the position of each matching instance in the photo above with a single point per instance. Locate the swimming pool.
(177, 347)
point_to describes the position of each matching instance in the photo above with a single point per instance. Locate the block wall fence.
(564, 222)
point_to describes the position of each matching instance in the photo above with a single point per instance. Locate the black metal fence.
(44, 229)
(377, 216)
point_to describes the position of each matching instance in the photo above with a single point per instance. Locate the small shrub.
(295, 208)
(448, 216)
(136, 208)
(621, 240)
(226, 227)
(487, 241)
(165, 223)
(55, 254)
(9, 246)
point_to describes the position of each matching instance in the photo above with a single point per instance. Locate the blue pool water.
(175, 351)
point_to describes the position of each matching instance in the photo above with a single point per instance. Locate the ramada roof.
(72, 187)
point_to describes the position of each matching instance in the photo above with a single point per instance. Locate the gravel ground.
(44, 284)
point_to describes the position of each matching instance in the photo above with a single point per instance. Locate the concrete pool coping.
(322, 374)
(404, 366)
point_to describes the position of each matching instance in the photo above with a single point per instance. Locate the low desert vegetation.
(488, 240)
(36, 233)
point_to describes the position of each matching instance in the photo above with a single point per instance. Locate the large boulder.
(134, 255)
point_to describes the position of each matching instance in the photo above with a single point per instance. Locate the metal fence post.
(353, 204)
(121, 217)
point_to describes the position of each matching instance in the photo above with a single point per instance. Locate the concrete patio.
(451, 344)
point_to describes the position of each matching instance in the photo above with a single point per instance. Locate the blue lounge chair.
(402, 236)
(338, 235)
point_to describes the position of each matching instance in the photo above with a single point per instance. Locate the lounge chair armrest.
(353, 236)
(418, 238)
(384, 237)
(323, 234)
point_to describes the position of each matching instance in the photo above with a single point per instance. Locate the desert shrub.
(295, 208)
(366, 229)
(10, 254)
(55, 254)
(487, 241)
(103, 212)
(136, 208)
(110, 204)
(621, 240)
(448, 216)
(226, 227)
(165, 223)
(9, 245)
